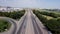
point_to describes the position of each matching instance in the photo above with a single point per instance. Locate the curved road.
(13, 28)
(28, 24)
(31, 25)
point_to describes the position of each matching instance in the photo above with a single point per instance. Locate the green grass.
(52, 24)
(15, 14)
(48, 17)
(4, 25)
(52, 14)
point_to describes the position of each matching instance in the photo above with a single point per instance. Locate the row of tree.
(52, 14)
(52, 25)
(52, 9)
(14, 14)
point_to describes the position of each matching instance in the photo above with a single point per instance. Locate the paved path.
(31, 25)
(28, 24)
(13, 28)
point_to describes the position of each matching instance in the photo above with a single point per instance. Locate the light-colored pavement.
(22, 24)
(39, 27)
(26, 27)
(28, 24)
(31, 25)
(13, 28)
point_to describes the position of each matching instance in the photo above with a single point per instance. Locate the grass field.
(4, 25)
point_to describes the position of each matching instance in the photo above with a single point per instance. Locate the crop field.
(50, 19)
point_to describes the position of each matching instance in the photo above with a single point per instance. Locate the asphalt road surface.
(31, 25)
(13, 27)
(28, 24)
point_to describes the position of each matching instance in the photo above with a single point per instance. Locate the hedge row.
(53, 24)
(14, 14)
(52, 14)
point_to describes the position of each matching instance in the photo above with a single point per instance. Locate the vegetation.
(14, 14)
(53, 24)
(52, 14)
(52, 10)
(4, 25)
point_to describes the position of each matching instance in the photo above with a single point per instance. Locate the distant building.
(9, 9)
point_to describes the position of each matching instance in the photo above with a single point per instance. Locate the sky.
(31, 3)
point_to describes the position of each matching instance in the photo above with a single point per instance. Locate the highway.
(13, 27)
(31, 25)
(28, 24)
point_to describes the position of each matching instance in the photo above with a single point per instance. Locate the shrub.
(4, 25)
(14, 14)
(50, 14)
(52, 25)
